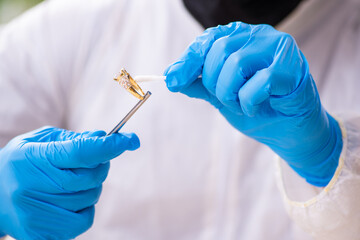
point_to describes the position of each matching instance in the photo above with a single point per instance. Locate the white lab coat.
(194, 177)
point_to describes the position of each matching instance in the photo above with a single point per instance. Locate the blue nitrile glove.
(260, 81)
(50, 180)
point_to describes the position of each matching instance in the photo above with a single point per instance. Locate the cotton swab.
(149, 78)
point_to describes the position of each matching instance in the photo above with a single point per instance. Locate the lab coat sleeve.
(332, 212)
(40, 58)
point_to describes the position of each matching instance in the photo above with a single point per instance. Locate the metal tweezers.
(125, 80)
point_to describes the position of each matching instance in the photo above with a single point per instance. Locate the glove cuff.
(327, 160)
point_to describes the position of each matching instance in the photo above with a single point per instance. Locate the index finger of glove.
(87, 152)
(187, 69)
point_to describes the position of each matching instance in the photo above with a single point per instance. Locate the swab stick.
(149, 78)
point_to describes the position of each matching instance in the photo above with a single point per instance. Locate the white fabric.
(7, 238)
(194, 177)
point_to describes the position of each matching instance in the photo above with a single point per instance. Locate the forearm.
(330, 212)
(318, 167)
